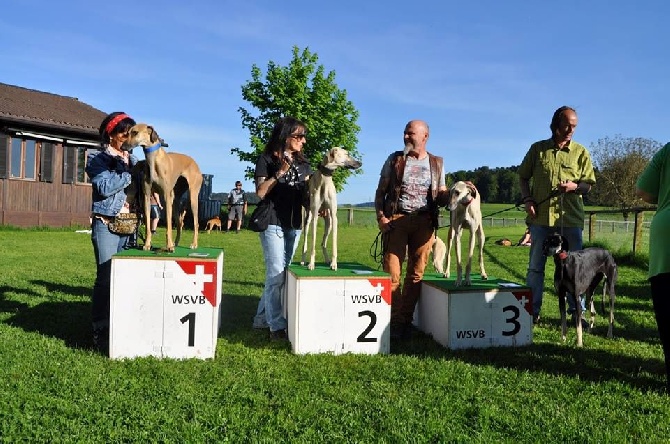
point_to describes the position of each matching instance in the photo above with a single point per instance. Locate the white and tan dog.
(171, 174)
(465, 212)
(323, 199)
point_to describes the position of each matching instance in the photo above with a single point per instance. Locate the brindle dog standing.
(171, 174)
(580, 272)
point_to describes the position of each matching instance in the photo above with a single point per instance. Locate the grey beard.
(407, 149)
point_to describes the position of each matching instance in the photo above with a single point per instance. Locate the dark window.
(47, 162)
(4, 141)
(74, 164)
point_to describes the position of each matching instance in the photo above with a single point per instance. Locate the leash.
(377, 247)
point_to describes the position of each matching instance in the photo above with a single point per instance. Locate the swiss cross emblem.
(203, 276)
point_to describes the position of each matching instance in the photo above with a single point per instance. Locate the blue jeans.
(537, 261)
(278, 245)
(105, 244)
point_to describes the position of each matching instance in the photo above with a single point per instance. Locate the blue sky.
(486, 75)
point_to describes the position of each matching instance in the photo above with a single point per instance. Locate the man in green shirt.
(553, 176)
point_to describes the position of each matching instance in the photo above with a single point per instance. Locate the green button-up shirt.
(545, 165)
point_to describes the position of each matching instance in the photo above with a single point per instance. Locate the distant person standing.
(156, 208)
(561, 172)
(653, 187)
(237, 206)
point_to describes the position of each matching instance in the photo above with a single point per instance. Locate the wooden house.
(44, 139)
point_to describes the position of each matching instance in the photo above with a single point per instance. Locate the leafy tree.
(619, 161)
(302, 90)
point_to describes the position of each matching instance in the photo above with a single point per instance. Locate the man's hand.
(384, 224)
(531, 209)
(567, 186)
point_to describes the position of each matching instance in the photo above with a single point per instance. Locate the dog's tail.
(439, 254)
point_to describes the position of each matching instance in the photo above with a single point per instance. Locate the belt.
(413, 213)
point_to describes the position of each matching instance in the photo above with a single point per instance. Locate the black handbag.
(260, 217)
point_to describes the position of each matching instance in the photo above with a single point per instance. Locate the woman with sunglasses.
(281, 174)
(109, 172)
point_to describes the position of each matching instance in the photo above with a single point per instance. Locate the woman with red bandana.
(109, 172)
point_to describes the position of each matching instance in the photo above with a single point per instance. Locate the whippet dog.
(323, 199)
(171, 174)
(580, 272)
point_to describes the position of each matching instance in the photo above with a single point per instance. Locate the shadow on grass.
(68, 321)
(593, 365)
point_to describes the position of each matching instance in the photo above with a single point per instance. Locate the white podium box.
(343, 311)
(489, 313)
(165, 304)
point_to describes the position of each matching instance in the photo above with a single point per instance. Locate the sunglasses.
(299, 136)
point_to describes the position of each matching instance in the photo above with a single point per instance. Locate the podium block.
(343, 311)
(165, 304)
(489, 313)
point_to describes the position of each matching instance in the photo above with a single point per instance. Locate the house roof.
(23, 106)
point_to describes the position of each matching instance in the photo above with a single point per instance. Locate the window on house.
(74, 164)
(22, 159)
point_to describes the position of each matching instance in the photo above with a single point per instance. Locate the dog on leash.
(580, 272)
(213, 222)
(171, 174)
(465, 212)
(323, 200)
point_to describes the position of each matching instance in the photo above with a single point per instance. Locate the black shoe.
(401, 332)
(101, 340)
(279, 335)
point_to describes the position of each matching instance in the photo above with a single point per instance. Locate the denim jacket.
(109, 178)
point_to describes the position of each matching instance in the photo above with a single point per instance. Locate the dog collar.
(562, 255)
(326, 171)
(152, 148)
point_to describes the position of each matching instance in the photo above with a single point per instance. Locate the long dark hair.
(556, 119)
(125, 122)
(282, 131)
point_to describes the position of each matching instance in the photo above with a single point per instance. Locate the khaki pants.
(411, 236)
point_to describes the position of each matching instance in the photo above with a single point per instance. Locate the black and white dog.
(580, 272)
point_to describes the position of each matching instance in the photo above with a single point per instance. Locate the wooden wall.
(25, 203)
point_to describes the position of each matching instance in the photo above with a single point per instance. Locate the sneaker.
(279, 335)
(260, 325)
(573, 320)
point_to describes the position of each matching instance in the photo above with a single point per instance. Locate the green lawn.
(54, 388)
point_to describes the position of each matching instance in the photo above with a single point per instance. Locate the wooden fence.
(637, 226)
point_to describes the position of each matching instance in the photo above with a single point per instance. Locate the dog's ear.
(564, 243)
(153, 135)
(471, 188)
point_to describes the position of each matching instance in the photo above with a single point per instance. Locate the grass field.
(54, 388)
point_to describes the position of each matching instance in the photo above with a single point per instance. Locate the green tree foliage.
(498, 185)
(302, 90)
(619, 161)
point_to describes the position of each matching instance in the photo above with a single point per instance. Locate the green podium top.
(478, 284)
(344, 270)
(179, 253)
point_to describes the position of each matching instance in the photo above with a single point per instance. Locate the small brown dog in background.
(213, 222)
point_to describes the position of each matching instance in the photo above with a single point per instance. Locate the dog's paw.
(333, 266)
(468, 282)
(484, 276)
(194, 246)
(146, 247)
(310, 266)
